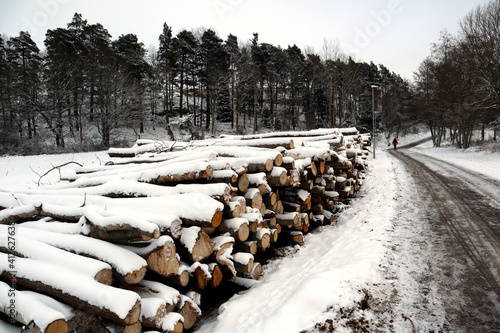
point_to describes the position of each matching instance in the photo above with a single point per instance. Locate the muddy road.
(458, 253)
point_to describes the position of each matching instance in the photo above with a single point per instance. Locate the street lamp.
(373, 115)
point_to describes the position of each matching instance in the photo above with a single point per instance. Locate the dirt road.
(454, 250)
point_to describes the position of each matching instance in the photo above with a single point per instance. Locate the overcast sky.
(395, 33)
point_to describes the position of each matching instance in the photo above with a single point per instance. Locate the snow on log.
(173, 322)
(189, 310)
(260, 143)
(221, 244)
(263, 238)
(196, 244)
(248, 247)
(153, 310)
(233, 209)
(181, 279)
(27, 247)
(160, 254)
(255, 273)
(253, 197)
(70, 286)
(127, 265)
(277, 176)
(291, 220)
(119, 228)
(237, 227)
(293, 236)
(299, 196)
(243, 262)
(216, 274)
(23, 212)
(29, 308)
(157, 300)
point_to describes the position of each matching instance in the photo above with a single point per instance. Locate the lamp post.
(373, 116)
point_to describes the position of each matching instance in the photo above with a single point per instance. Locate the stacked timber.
(133, 244)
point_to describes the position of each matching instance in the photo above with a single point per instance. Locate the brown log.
(278, 161)
(16, 214)
(318, 190)
(242, 201)
(320, 166)
(87, 322)
(115, 230)
(288, 163)
(213, 222)
(292, 220)
(200, 276)
(278, 207)
(153, 320)
(160, 256)
(45, 287)
(237, 227)
(275, 234)
(217, 276)
(232, 210)
(270, 199)
(329, 218)
(189, 310)
(255, 273)
(293, 236)
(35, 320)
(248, 247)
(201, 244)
(291, 207)
(178, 326)
(188, 176)
(180, 279)
(318, 219)
(104, 275)
(260, 165)
(243, 262)
(263, 238)
(242, 183)
(296, 195)
(277, 176)
(253, 197)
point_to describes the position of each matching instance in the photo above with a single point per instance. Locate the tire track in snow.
(453, 202)
(473, 233)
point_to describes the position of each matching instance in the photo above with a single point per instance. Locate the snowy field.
(335, 267)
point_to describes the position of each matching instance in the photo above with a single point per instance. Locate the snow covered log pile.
(135, 242)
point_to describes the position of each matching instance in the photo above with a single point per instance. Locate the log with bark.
(243, 262)
(31, 248)
(31, 309)
(237, 227)
(59, 282)
(160, 254)
(189, 310)
(127, 266)
(195, 244)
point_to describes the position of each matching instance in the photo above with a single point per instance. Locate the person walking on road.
(395, 142)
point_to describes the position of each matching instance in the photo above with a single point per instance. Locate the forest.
(85, 87)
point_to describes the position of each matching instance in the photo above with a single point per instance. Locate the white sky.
(395, 33)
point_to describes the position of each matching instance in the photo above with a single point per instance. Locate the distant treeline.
(86, 80)
(459, 83)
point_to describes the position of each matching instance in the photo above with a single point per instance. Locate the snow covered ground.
(358, 273)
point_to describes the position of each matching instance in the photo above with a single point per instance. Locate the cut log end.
(136, 276)
(57, 326)
(104, 276)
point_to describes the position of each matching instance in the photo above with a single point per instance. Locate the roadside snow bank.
(328, 272)
(473, 159)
